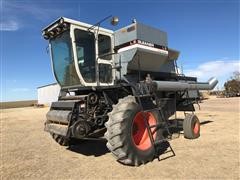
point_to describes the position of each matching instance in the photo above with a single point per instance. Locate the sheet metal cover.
(142, 32)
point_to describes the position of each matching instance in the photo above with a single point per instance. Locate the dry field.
(27, 152)
(17, 104)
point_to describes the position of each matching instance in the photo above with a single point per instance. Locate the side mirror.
(114, 20)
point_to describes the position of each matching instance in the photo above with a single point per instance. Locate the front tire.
(127, 135)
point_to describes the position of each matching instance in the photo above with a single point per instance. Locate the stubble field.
(27, 152)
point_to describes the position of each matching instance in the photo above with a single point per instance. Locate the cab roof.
(71, 21)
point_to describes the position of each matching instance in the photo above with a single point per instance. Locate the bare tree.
(232, 86)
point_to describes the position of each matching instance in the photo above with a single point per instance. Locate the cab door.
(84, 51)
(104, 50)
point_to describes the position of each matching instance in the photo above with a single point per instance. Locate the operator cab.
(81, 55)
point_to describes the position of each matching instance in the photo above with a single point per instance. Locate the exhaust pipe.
(181, 86)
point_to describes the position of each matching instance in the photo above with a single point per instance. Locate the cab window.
(85, 48)
(104, 47)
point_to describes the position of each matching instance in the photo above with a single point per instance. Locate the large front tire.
(127, 135)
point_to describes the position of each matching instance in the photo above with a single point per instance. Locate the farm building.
(48, 93)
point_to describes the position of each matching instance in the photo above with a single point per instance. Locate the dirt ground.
(27, 152)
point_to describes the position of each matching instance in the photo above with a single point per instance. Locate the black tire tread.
(114, 133)
(61, 140)
(187, 126)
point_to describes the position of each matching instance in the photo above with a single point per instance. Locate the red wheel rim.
(140, 135)
(196, 128)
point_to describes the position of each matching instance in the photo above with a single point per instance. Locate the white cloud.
(9, 25)
(221, 69)
(39, 11)
(14, 13)
(20, 90)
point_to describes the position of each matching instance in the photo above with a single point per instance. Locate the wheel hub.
(196, 128)
(140, 134)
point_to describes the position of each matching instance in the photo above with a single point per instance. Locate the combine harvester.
(122, 83)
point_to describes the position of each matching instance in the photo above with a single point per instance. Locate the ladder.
(160, 146)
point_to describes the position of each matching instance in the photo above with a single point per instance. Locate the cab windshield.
(63, 61)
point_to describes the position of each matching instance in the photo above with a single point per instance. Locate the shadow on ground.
(90, 147)
(97, 147)
(177, 125)
(205, 122)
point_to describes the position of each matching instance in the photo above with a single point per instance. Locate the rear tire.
(60, 139)
(126, 134)
(191, 126)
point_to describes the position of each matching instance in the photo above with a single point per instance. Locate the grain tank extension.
(123, 85)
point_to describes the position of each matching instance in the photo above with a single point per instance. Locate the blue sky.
(206, 32)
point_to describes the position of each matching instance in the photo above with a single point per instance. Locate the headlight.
(46, 36)
(51, 33)
(58, 29)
